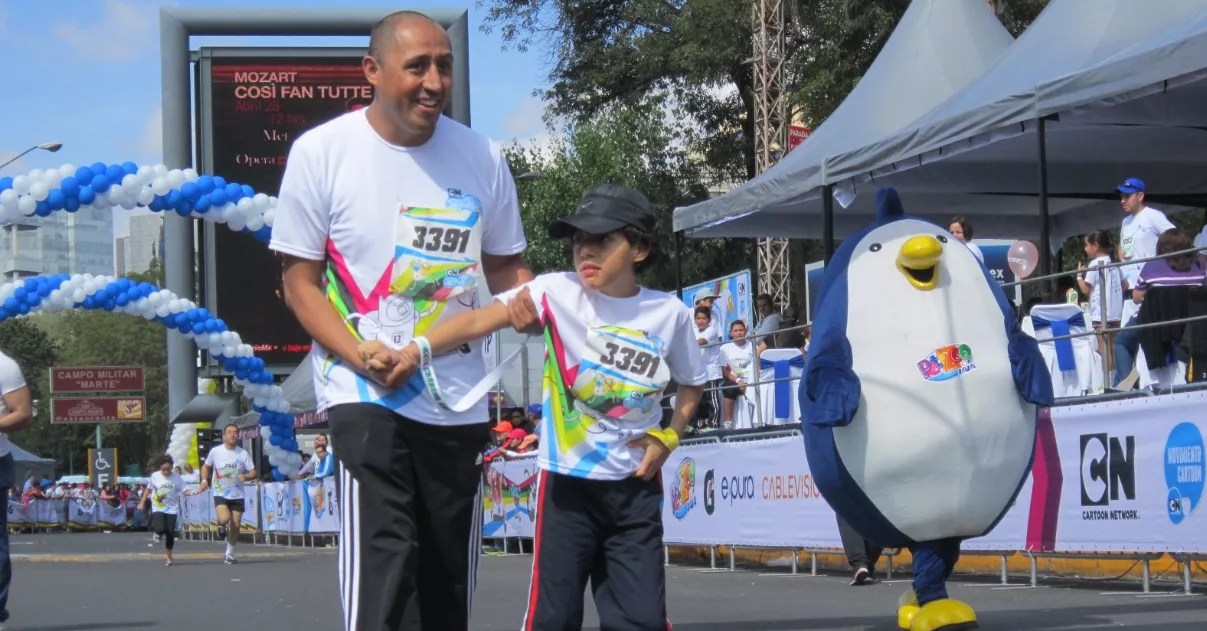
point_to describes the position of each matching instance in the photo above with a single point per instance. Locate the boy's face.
(737, 332)
(702, 321)
(602, 260)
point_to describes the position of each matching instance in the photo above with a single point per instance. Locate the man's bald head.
(383, 37)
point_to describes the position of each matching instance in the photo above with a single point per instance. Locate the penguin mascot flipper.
(918, 400)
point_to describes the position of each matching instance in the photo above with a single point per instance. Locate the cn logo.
(1108, 466)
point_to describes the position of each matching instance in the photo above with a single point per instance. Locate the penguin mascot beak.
(918, 261)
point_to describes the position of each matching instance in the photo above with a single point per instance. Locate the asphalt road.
(99, 582)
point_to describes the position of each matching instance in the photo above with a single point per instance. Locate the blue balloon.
(115, 172)
(101, 183)
(99, 168)
(146, 289)
(100, 295)
(42, 209)
(45, 289)
(20, 292)
(110, 304)
(33, 299)
(242, 363)
(209, 326)
(4, 314)
(5, 183)
(185, 208)
(248, 191)
(89, 303)
(69, 186)
(221, 325)
(23, 308)
(190, 191)
(57, 200)
(241, 374)
(72, 204)
(87, 195)
(156, 204)
(202, 205)
(129, 168)
(203, 314)
(123, 299)
(278, 476)
(234, 192)
(198, 328)
(174, 199)
(218, 198)
(205, 184)
(83, 176)
(11, 304)
(124, 283)
(257, 363)
(219, 182)
(276, 440)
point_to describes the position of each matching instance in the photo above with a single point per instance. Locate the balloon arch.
(105, 187)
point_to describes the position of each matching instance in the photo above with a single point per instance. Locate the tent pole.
(679, 265)
(1045, 248)
(827, 219)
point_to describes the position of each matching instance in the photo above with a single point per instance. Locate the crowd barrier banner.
(82, 514)
(1119, 476)
(278, 506)
(17, 513)
(755, 493)
(320, 510)
(509, 498)
(109, 517)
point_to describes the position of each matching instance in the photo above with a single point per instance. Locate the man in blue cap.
(1137, 240)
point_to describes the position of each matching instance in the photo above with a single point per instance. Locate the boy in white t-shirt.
(709, 340)
(612, 348)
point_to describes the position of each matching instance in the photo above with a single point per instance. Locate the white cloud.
(151, 144)
(527, 119)
(125, 31)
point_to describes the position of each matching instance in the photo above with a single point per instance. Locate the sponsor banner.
(18, 513)
(196, 511)
(320, 511)
(251, 509)
(109, 516)
(734, 300)
(509, 498)
(74, 410)
(82, 514)
(278, 506)
(49, 513)
(97, 379)
(755, 493)
(1132, 475)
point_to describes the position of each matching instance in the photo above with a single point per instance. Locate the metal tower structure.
(770, 131)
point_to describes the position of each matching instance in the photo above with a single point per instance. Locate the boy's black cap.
(607, 208)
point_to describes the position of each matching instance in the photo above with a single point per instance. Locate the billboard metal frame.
(176, 26)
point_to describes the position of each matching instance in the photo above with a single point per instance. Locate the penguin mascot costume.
(918, 403)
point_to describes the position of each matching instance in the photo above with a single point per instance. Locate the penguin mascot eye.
(875, 247)
(941, 238)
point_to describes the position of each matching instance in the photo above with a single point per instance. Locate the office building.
(63, 243)
(119, 256)
(144, 244)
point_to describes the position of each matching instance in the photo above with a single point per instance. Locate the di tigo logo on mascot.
(1184, 471)
(683, 488)
(947, 362)
(1108, 477)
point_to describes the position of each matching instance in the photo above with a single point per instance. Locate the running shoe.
(169, 562)
(862, 577)
(221, 532)
(230, 560)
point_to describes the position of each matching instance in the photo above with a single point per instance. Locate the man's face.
(1132, 203)
(320, 451)
(413, 78)
(320, 440)
(764, 306)
(230, 435)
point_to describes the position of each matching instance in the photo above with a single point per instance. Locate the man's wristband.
(667, 437)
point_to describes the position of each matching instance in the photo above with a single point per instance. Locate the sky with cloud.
(86, 73)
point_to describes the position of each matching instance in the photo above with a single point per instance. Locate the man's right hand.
(395, 374)
(522, 314)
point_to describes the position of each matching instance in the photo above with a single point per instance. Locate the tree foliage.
(610, 53)
(98, 338)
(634, 146)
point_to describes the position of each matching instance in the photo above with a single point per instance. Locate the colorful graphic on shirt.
(163, 497)
(947, 363)
(622, 373)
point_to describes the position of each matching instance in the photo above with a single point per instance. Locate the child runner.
(612, 347)
(231, 466)
(165, 490)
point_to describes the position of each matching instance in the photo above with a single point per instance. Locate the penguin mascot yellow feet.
(919, 400)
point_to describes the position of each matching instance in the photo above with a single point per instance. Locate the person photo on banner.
(613, 347)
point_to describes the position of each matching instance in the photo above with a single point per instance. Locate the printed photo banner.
(734, 300)
(320, 510)
(509, 496)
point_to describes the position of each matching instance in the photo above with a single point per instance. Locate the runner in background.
(231, 466)
(164, 491)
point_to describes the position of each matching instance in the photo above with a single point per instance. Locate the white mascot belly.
(918, 405)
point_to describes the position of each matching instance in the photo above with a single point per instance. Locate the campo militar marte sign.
(97, 379)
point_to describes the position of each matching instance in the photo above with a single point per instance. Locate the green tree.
(632, 146)
(608, 53)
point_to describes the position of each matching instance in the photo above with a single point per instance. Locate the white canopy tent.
(936, 49)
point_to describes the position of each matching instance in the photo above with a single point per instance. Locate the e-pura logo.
(683, 488)
(947, 362)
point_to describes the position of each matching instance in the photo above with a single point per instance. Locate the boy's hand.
(522, 315)
(656, 454)
(402, 366)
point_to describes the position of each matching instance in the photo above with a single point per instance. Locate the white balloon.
(129, 204)
(176, 178)
(52, 177)
(39, 190)
(160, 186)
(162, 311)
(260, 200)
(269, 216)
(175, 306)
(27, 206)
(130, 181)
(246, 351)
(229, 351)
(215, 339)
(67, 170)
(21, 184)
(35, 175)
(116, 194)
(78, 296)
(8, 198)
(190, 175)
(146, 173)
(145, 195)
(235, 221)
(255, 223)
(101, 201)
(160, 170)
(245, 205)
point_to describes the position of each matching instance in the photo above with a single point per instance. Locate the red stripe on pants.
(536, 550)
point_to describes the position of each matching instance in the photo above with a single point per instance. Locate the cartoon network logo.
(947, 362)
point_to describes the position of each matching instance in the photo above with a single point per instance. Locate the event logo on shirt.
(947, 362)
(1184, 470)
(683, 488)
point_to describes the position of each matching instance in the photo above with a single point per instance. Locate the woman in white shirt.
(961, 228)
(1100, 249)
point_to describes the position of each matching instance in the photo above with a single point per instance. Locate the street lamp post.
(46, 146)
(531, 175)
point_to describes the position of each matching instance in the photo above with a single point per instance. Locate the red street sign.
(70, 410)
(97, 379)
(797, 135)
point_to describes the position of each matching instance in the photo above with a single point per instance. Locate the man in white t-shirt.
(16, 414)
(231, 466)
(387, 217)
(1137, 240)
